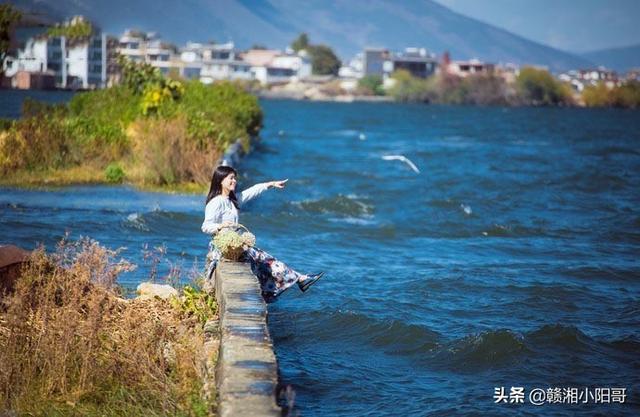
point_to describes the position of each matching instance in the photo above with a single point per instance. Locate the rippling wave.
(343, 205)
(484, 350)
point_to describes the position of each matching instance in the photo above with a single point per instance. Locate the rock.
(11, 260)
(148, 290)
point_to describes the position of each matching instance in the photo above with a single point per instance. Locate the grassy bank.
(69, 345)
(150, 131)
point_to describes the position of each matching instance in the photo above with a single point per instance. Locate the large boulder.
(148, 290)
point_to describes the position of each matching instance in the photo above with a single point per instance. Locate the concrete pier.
(247, 371)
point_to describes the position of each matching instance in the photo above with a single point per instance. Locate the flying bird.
(403, 159)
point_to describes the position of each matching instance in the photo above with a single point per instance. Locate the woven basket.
(229, 252)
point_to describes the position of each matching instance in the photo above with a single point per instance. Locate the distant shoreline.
(340, 98)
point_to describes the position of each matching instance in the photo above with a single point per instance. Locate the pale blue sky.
(571, 25)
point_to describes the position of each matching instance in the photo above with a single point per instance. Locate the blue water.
(11, 100)
(510, 260)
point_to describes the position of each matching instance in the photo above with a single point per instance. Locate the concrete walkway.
(247, 372)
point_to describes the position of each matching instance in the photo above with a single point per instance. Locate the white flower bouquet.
(231, 243)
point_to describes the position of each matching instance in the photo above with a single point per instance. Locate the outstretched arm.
(254, 191)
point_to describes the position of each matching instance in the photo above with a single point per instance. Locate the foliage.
(486, 90)
(371, 85)
(75, 31)
(626, 95)
(5, 123)
(164, 154)
(156, 96)
(114, 173)
(35, 108)
(476, 89)
(159, 131)
(38, 142)
(137, 75)
(408, 88)
(196, 303)
(300, 43)
(538, 87)
(323, 60)
(70, 346)
(97, 121)
(9, 16)
(220, 114)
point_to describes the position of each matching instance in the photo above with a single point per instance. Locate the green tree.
(626, 95)
(538, 87)
(76, 31)
(300, 43)
(8, 17)
(323, 60)
(412, 89)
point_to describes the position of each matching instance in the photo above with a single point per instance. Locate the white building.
(580, 79)
(74, 64)
(205, 62)
(211, 62)
(86, 62)
(276, 67)
(382, 62)
(471, 67)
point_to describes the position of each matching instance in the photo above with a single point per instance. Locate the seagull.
(403, 159)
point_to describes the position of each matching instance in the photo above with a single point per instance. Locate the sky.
(570, 25)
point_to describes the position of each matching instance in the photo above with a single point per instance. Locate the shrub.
(37, 143)
(5, 124)
(371, 85)
(93, 130)
(220, 113)
(168, 155)
(114, 173)
(70, 346)
(488, 90)
(626, 95)
(408, 88)
(538, 87)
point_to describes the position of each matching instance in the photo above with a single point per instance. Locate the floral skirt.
(273, 275)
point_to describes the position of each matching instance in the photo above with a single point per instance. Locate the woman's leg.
(274, 276)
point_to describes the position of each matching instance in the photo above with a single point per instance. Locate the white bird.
(403, 159)
(362, 136)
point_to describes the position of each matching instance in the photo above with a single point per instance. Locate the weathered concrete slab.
(247, 371)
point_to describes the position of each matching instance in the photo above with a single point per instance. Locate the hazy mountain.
(619, 59)
(346, 25)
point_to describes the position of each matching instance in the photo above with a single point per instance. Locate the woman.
(222, 210)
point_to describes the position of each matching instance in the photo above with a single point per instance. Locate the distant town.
(55, 60)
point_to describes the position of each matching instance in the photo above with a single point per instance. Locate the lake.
(510, 260)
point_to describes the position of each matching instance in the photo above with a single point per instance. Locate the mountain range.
(346, 25)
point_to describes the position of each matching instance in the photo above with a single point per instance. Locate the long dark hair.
(216, 184)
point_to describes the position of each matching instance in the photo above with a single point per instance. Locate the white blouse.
(220, 209)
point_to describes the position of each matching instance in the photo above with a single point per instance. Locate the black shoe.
(311, 279)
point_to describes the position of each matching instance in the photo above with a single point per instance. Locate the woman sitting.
(221, 211)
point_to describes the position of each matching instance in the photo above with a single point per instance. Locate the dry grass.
(85, 174)
(166, 154)
(70, 346)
